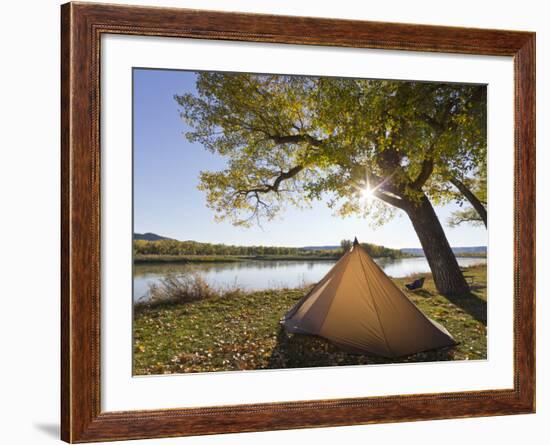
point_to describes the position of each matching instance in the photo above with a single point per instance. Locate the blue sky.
(167, 202)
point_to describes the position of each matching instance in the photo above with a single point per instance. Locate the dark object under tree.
(416, 284)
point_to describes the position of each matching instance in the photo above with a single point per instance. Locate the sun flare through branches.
(367, 194)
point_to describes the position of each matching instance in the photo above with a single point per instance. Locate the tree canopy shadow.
(305, 351)
(300, 351)
(472, 304)
(421, 293)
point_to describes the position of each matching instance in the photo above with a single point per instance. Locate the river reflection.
(269, 274)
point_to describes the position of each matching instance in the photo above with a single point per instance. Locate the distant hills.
(474, 250)
(149, 237)
(319, 247)
(414, 251)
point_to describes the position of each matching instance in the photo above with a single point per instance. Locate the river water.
(259, 275)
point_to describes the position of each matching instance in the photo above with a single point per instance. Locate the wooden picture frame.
(82, 26)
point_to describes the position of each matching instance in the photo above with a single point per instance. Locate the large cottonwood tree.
(292, 140)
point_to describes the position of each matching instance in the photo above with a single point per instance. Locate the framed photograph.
(274, 222)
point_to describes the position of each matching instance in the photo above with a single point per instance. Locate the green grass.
(242, 331)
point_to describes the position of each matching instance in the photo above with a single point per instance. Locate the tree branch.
(472, 198)
(274, 187)
(386, 185)
(392, 200)
(458, 219)
(295, 138)
(434, 123)
(390, 159)
(255, 192)
(425, 173)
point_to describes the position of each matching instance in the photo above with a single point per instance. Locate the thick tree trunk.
(476, 203)
(446, 273)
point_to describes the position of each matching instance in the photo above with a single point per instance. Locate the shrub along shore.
(167, 250)
(230, 329)
(141, 259)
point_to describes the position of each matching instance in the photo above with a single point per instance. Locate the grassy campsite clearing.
(241, 331)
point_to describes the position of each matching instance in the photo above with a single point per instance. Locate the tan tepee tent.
(359, 308)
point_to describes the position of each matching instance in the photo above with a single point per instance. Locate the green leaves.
(290, 140)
